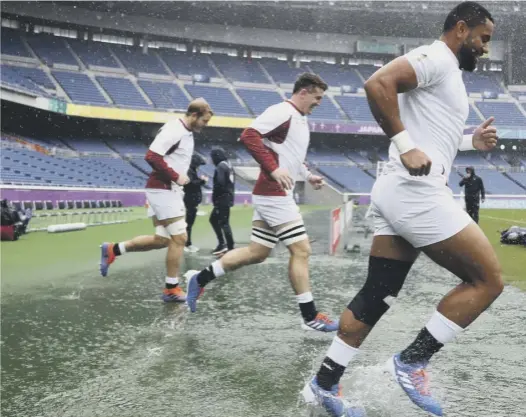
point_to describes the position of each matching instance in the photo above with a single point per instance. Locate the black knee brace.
(385, 279)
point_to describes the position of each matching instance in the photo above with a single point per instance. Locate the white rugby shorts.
(165, 204)
(275, 210)
(422, 210)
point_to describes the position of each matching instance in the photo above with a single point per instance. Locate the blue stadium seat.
(356, 108)
(220, 99)
(136, 61)
(366, 70)
(497, 183)
(12, 43)
(353, 179)
(93, 53)
(165, 95)
(258, 100)
(88, 145)
(51, 49)
(122, 92)
(479, 82)
(336, 75)
(280, 71)
(237, 69)
(506, 114)
(520, 177)
(182, 63)
(31, 79)
(473, 118)
(79, 87)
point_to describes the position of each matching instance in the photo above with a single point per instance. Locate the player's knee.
(161, 241)
(301, 249)
(384, 281)
(178, 240)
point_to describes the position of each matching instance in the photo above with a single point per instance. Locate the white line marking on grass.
(504, 219)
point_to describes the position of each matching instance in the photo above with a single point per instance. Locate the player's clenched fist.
(416, 162)
(283, 177)
(183, 179)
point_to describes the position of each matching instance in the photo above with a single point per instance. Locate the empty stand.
(184, 64)
(122, 91)
(165, 95)
(336, 75)
(12, 44)
(356, 108)
(258, 100)
(220, 99)
(506, 114)
(280, 71)
(79, 87)
(51, 49)
(136, 61)
(241, 70)
(93, 53)
(480, 82)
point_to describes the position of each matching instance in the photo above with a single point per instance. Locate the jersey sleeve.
(430, 65)
(270, 120)
(166, 138)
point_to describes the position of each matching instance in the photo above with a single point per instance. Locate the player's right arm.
(401, 75)
(155, 156)
(271, 123)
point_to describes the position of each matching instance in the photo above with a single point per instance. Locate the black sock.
(329, 374)
(422, 349)
(205, 276)
(116, 249)
(170, 286)
(308, 311)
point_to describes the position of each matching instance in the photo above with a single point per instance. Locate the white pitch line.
(506, 220)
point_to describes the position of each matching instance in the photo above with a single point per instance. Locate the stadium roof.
(367, 18)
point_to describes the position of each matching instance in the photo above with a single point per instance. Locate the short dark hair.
(470, 12)
(308, 81)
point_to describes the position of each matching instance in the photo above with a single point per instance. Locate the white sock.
(306, 297)
(442, 329)
(217, 269)
(172, 281)
(341, 353)
(122, 248)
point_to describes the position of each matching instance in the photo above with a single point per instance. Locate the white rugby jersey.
(175, 143)
(435, 112)
(284, 131)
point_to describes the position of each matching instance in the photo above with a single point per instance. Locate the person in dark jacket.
(473, 193)
(222, 199)
(193, 196)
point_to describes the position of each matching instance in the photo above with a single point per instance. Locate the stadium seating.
(506, 114)
(51, 49)
(221, 99)
(88, 145)
(366, 70)
(480, 82)
(93, 53)
(122, 91)
(280, 71)
(165, 95)
(353, 179)
(336, 75)
(13, 77)
(356, 108)
(473, 118)
(497, 183)
(12, 44)
(258, 100)
(135, 61)
(181, 63)
(465, 159)
(237, 69)
(21, 166)
(520, 177)
(79, 87)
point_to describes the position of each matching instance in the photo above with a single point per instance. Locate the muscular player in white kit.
(169, 155)
(414, 209)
